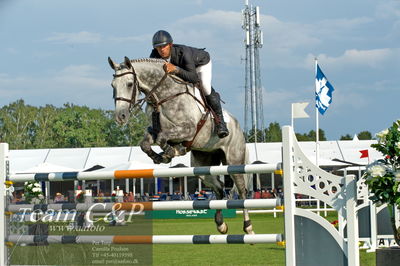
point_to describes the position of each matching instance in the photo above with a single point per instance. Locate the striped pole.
(150, 173)
(146, 239)
(150, 206)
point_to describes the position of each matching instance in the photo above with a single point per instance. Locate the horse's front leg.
(170, 150)
(145, 145)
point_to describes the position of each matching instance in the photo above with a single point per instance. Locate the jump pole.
(147, 239)
(149, 206)
(149, 173)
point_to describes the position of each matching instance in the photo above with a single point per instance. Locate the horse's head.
(125, 85)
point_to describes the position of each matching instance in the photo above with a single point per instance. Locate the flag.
(298, 110)
(364, 154)
(323, 91)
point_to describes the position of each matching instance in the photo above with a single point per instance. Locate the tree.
(311, 136)
(79, 126)
(251, 136)
(346, 137)
(364, 135)
(17, 125)
(24, 126)
(273, 133)
(127, 135)
(44, 135)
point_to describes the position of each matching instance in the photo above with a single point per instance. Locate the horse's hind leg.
(204, 159)
(215, 183)
(235, 156)
(239, 180)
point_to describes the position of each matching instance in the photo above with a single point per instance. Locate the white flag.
(298, 110)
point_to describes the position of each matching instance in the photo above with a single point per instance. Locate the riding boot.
(213, 100)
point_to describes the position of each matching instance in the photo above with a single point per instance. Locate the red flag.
(364, 154)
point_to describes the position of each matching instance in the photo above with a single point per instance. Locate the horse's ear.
(112, 64)
(128, 62)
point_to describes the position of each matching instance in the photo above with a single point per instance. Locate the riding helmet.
(161, 38)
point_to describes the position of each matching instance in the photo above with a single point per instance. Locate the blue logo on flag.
(323, 91)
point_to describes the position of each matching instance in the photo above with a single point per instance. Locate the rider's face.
(165, 50)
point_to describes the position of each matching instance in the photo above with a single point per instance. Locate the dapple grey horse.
(179, 124)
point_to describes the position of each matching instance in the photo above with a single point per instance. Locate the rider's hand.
(169, 68)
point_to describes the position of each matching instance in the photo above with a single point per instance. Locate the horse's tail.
(247, 177)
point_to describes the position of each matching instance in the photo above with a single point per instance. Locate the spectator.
(263, 194)
(269, 195)
(131, 198)
(59, 197)
(176, 196)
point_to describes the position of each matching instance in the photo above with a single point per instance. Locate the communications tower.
(253, 112)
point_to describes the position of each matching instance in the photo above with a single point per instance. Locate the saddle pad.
(202, 110)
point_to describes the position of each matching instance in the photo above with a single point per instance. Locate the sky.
(55, 52)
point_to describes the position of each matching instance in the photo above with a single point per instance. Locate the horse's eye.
(129, 83)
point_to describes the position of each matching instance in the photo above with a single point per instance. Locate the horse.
(180, 122)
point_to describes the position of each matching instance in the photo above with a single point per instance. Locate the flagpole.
(292, 117)
(316, 120)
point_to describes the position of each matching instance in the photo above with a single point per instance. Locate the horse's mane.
(148, 60)
(142, 60)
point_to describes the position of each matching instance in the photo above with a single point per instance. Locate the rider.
(192, 65)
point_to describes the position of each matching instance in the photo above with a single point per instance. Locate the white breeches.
(205, 73)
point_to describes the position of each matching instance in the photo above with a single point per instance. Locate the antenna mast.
(253, 88)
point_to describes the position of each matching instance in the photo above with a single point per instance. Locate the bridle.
(136, 87)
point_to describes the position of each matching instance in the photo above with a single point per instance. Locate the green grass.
(176, 254)
(223, 254)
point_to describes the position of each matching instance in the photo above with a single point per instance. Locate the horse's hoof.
(170, 152)
(223, 228)
(165, 158)
(157, 159)
(248, 228)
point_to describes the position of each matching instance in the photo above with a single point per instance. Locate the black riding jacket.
(186, 58)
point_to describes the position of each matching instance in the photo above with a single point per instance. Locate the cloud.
(79, 84)
(75, 37)
(283, 41)
(219, 18)
(374, 58)
(283, 36)
(342, 24)
(139, 38)
(388, 9)
(79, 76)
(12, 51)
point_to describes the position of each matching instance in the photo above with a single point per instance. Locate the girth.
(156, 125)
